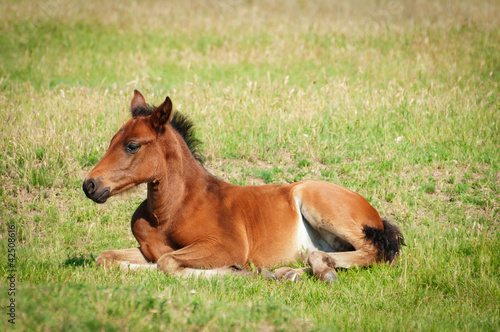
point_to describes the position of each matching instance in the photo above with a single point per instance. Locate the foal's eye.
(132, 147)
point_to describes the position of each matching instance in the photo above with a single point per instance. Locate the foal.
(193, 223)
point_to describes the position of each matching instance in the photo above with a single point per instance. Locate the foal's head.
(139, 150)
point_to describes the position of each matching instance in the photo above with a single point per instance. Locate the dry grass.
(352, 18)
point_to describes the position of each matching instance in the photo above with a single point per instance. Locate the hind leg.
(348, 259)
(323, 266)
(125, 259)
(337, 218)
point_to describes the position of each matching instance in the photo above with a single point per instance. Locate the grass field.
(397, 100)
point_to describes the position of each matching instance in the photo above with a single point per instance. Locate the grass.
(396, 100)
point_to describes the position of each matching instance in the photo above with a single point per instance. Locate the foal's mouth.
(102, 198)
(92, 191)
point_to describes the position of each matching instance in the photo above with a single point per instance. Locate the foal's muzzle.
(94, 191)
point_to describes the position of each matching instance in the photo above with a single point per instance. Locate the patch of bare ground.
(445, 181)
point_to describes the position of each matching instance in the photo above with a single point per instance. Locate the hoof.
(292, 276)
(166, 264)
(330, 277)
(266, 274)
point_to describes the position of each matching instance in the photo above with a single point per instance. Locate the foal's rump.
(343, 224)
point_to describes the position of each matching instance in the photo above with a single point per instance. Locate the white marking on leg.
(204, 273)
(127, 266)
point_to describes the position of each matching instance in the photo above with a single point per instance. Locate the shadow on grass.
(79, 261)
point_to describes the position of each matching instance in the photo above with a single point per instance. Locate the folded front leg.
(203, 258)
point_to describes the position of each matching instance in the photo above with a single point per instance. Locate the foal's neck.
(181, 177)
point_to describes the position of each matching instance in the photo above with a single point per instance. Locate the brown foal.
(195, 224)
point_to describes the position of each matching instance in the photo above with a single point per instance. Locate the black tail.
(388, 240)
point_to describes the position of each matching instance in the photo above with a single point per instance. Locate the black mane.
(185, 127)
(181, 123)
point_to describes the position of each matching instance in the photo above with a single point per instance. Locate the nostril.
(89, 186)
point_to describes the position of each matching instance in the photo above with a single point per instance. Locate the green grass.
(398, 101)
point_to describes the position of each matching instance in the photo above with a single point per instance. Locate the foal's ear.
(138, 101)
(161, 115)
